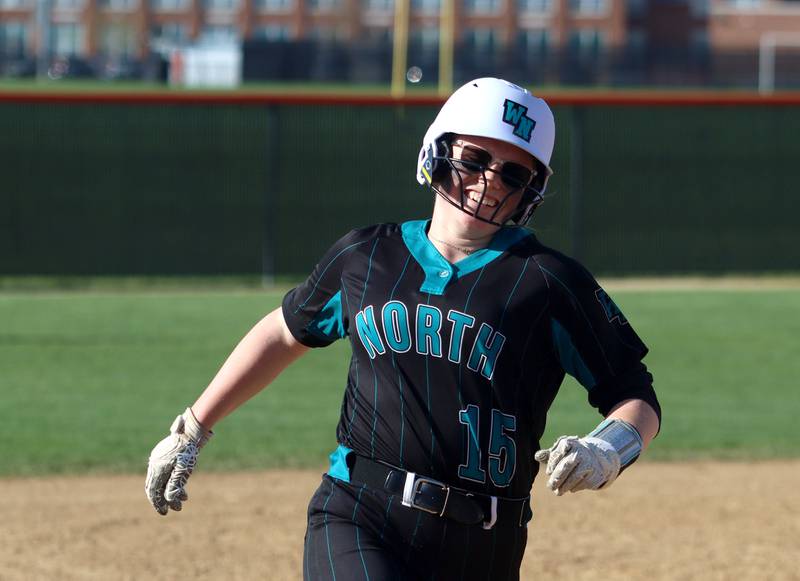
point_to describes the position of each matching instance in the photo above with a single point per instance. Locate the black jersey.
(454, 366)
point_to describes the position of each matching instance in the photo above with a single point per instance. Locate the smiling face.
(487, 177)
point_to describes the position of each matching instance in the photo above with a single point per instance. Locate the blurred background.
(679, 43)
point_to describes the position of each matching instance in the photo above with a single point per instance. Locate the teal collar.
(439, 272)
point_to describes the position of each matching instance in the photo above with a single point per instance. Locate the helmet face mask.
(449, 173)
(507, 113)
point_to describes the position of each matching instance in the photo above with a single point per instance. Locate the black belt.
(438, 498)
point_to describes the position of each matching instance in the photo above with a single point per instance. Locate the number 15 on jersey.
(502, 449)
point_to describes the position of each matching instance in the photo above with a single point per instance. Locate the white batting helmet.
(500, 110)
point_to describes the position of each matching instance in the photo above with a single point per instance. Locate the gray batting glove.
(172, 461)
(575, 464)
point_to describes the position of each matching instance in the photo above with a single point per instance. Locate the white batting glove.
(172, 461)
(575, 464)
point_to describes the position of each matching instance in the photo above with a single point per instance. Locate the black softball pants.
(355, 532)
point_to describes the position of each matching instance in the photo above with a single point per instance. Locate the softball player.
(462, 328)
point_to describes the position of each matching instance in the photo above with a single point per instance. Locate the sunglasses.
(474, 160)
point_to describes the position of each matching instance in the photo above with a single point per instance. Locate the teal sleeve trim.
(438, 271)
(568, 355)
(338, 466)
(329, 324)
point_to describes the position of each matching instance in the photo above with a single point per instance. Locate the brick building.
(660, 39)
(92, 27)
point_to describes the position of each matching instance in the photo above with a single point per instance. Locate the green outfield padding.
(198, 189)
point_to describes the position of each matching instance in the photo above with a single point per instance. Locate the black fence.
(196, 187)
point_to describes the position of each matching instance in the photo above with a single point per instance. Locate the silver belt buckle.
(493, 519)
(412, 487)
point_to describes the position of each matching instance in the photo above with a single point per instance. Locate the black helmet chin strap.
(530, 201)
(522, 212)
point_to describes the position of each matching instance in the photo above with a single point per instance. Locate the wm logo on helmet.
(514, 114)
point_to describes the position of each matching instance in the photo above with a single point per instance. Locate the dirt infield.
(703, 520)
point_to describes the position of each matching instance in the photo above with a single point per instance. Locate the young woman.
(462, 329)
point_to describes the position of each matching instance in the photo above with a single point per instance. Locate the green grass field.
(89, 381)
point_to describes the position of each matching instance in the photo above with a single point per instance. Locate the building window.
(173, 33)
(219, 34)
(324, 33)
(379, 5)
(425, 38)
(587, 43)
(272, 32)
(699, 8)
(426, 6)
(482, 6)
(482, 40)
(535, 6)
(745, 4)
(637, 8)
(67, 38)
(121, 5)
(118, 39)
(274, 5)
(169, 5)
(13, 39)
(324, 5)
(534, 42)
(588, 7)
(68, 4)
(15, 4)
(222, 5)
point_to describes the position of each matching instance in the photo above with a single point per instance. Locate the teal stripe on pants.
(327, 536)
(358, 539)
